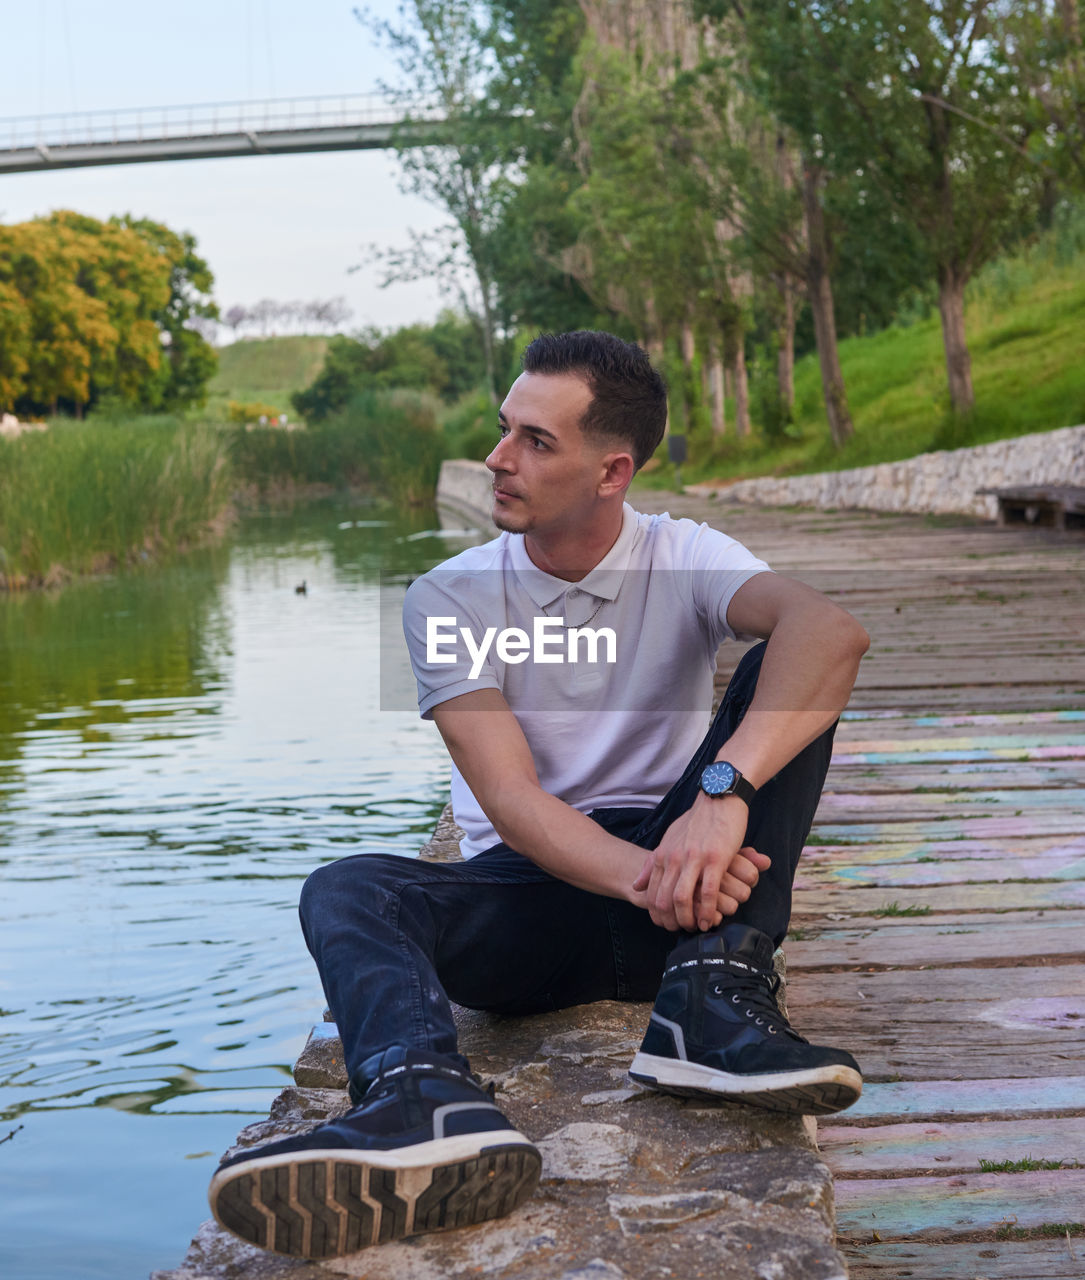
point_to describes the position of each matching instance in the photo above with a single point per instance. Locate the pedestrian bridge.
(283, 126)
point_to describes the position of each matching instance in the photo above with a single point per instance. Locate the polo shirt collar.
(602, 582)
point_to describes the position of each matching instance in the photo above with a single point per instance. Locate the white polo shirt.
(611, 721)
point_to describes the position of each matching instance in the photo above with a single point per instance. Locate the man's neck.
(572, 554)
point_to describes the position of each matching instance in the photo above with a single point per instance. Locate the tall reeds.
(387, 441)
(85, 496)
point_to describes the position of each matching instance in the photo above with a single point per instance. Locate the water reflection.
(177, 750)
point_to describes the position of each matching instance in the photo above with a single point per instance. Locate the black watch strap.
(744, 789)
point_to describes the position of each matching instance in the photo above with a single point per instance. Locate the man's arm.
(485, 740)
(806, 678)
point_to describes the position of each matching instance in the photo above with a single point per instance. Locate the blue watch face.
(718, 778)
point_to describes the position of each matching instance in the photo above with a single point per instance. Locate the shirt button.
(574, 593)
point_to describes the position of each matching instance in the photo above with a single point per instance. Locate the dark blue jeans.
(396, 939)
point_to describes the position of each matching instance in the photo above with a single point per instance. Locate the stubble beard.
(507, 522)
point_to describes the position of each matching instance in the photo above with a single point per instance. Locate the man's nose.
(500, 456)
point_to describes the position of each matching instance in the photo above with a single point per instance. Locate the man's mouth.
(503, 495)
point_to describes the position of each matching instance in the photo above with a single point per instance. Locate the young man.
(614, 851)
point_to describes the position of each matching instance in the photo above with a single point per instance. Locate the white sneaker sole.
(327, 1203)
(816, 1092)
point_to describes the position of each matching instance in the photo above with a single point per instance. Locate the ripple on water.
(177, 751)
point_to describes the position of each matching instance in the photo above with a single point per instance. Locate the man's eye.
(502, 430)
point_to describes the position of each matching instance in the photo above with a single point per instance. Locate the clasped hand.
(700, 871)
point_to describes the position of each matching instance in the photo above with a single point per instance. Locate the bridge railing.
(208, 119)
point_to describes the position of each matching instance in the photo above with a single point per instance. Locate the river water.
(179, 747)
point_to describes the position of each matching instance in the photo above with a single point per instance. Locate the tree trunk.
(487, 327)
(714, 366)
(958, 361)
(655, 347)
(688, 351)
(742, 388)
(820, 292)
(1071, 26)
(785, 355)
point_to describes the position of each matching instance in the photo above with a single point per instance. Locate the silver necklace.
(570, 626)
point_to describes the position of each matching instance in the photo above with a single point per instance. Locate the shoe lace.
(755, 995)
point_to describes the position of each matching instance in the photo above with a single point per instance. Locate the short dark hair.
(629, 396)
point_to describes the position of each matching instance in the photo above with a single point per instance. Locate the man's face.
(546, 473)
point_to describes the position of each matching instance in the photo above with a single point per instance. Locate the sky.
(282, 227)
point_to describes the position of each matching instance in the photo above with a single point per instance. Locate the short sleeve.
(719, 565)
(435, 618)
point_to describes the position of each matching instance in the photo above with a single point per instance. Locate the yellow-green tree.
(91, 309)
(191, 360)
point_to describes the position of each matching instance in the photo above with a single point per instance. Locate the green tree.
(450, 152)
(913, 94)
(443, 358)
(660, 127)
(84, 306)
(14, 333)
(191, 360)
(1043, 42)
(534, 91)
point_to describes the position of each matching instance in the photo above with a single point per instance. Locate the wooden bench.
(1049, 505)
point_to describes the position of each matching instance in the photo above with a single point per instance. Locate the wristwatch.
(723, 779)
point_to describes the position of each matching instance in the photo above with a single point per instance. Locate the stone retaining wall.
(942, 483)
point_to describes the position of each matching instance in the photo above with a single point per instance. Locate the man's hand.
(701, 871)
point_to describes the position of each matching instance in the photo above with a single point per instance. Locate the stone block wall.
(942, 483)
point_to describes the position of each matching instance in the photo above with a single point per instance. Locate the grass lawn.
(264, 371)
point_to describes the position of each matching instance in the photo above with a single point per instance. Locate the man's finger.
(645, 874)
(734, 888)
(660, 907)
(667, 884)
(708, 891)
(743, 869)
(688, 889)
(760, 860)
(725, 904)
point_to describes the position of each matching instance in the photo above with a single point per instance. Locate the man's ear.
(618, 471)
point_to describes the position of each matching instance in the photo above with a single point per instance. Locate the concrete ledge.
(465, 488)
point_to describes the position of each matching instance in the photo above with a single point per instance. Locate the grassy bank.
(86, 497)
(1025, 316)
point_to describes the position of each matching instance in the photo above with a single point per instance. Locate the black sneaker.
(425, 1149)
(716, 1031)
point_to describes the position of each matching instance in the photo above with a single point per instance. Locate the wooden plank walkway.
(939, 925)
